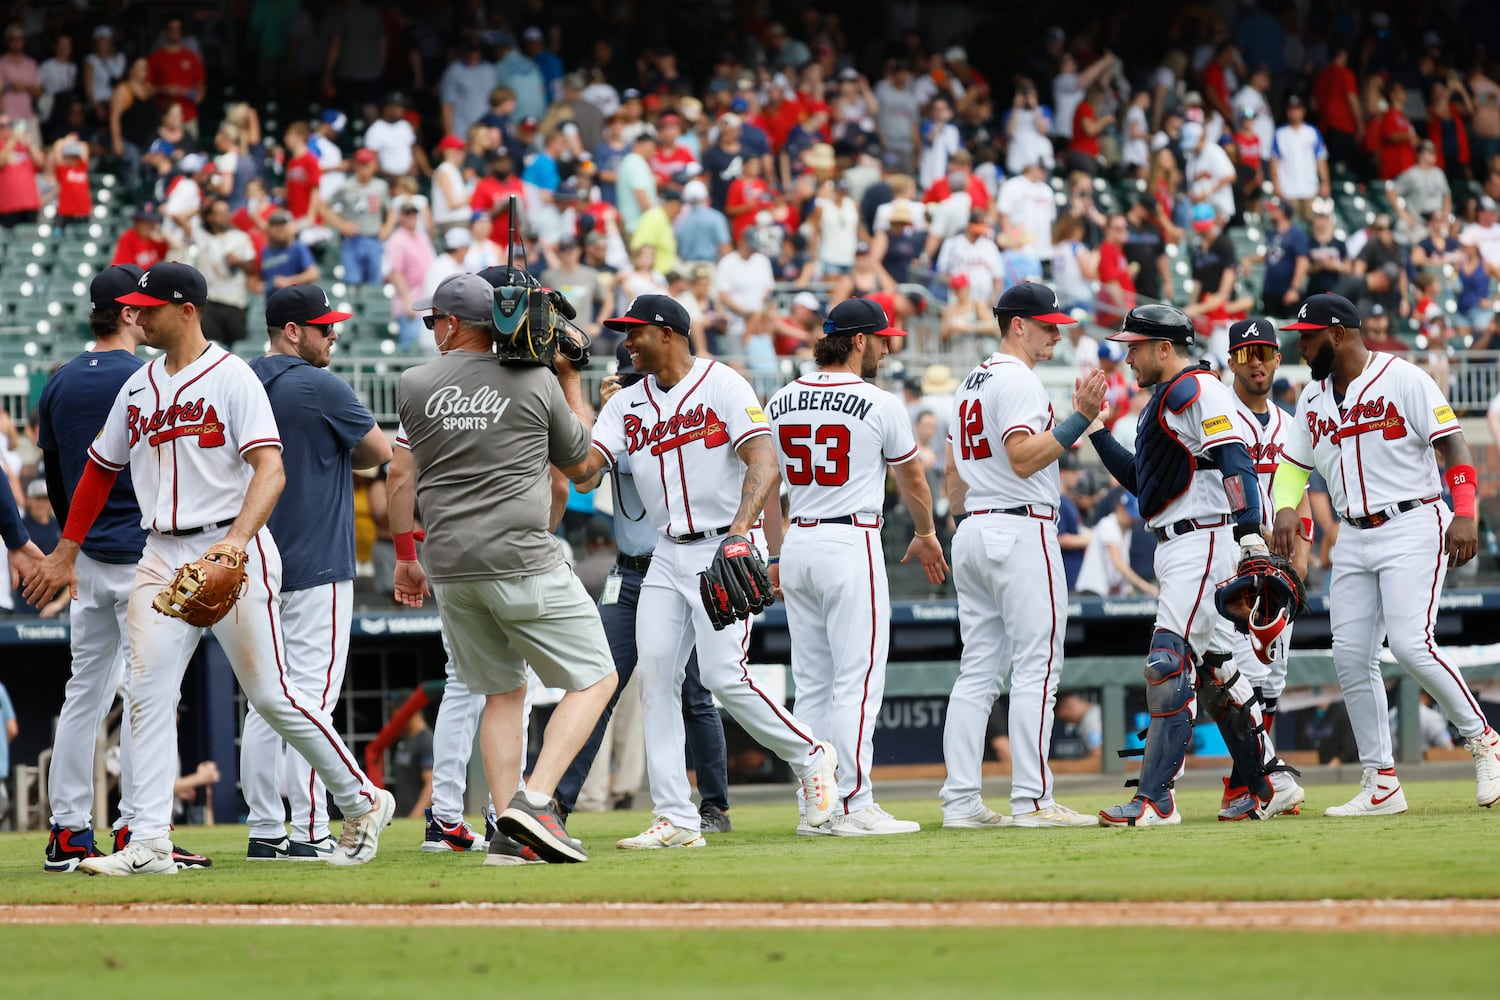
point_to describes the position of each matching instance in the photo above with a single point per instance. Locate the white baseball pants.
(1188, 568)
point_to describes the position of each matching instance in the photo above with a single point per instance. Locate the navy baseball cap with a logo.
(167, 283)
(1323, 311)
(1032, 301)
(1249, 332)
(653, 310)
(304, 305)
(853, 316)
(111, 283)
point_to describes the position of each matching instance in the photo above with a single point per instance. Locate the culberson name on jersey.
(820, 400)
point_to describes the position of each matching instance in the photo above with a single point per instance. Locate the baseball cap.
(147, 213)
(1323, 311)
(630, 94)
(695, 192)
(467, 296)
(530, 121)
(671, 194)
(853, 316)
(739, 105)
(1293, 101)
(1487, 204)
(337, 119)
(305, 305)
(1131, 504)
(807, 300)
(192, 163)
(1248, 332)
(1033, 301)
(451, 142)
(167, 283)
(365, 155)
(956, 54)
(653, 310)
(457, 238)
(279, 217)
(111, 283)
(532, 34)
(1204, 217)
(1112, 350)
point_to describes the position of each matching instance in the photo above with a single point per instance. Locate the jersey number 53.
(972, 443)
(802, 469)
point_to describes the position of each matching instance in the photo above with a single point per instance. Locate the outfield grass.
(289, 962)
(1444, 847)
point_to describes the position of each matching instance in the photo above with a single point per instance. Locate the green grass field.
(1445, 847)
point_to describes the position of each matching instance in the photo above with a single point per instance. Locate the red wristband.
(406, 546)
(1307, 529)
(1463, 483)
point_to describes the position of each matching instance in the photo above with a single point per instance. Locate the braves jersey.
(682, 443)
(1265, 441)
(835, 433)
(1374, 447)
(184, 437)
(1206, 422)
(1000, 398)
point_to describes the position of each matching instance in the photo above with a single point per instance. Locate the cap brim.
(1061, 319)
(333, 316)
(140, 299)
(1307, 326)
(422, 305)
(623, 322)
(890, 331)
(1131, 338)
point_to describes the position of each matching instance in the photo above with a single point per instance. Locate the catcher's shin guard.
(1235, 706)
(1169, 689)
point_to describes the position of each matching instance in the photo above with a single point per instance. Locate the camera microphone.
(561, 304)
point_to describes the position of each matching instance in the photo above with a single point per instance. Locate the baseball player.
(1254, 356)
(834, 435)
(700, 450)
(477, 437)
(197, 432)
(1199, 493)
(1373, 425)
(1004, 443)
(326, 434)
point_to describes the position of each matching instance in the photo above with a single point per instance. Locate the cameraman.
(477, 440)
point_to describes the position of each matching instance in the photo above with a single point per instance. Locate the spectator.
(1485, 124)
(1213, 266)
(586, 115)
(632, 118)
(1074, 266)
(1079, 732)
(1475, 306)
(9, 729)
(70, 167)
(1106, 570)
(1116, 282)
(1028, 127)
(133, 119)
(492, 192)
(1382, 251)
(655, 230)
(226, 257)
(465, 87)
(641, 277)
(939, 140)
(613, 148)
(1083, 207)
(1392, 135)
(964, 317)
(412, 762)
(1088, 125)
(897, 111)
(358, 212)
(1485, 230)
(395, 141)
(534, 44)
(1439, 247)
(483, 251)
(749, 195)
(635, 185)
(1421, 190)
(975, 255)
(103, 68)
(834, 226)
(1380, 287)
(1163, 185)
(451, 194)
(702, 230)
(20, 159)
(794, 334)
(1286, 260)
(284, 261)
(1327, 257)
(519, 73)
(960, 179)
(1027, 213)
(743, 282)
(408, 256)
(898, 246)
(1251, 154)
(143, 243)
(1146, 252)
(20, 80)
(58, 77)
(1446, 129)
(1210, 174)
(1299, 161)
(1070, 86)
(354, 64)
(1252, 112)
(855, 109)
(1375, 330)
(232, 164)
(578, 283)
(177, 75)
(453, 260)
(1135, 150)
(1335, 98)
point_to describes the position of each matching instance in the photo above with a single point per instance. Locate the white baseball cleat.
(139, 857)
(1054, 815)
(820, 789)
(1288, 796)
(871, 821)
(1486, 750)
(985, 819)
(805, 829)
(662, 834)
(361, 836)
(1380, 794)
(1140, 811)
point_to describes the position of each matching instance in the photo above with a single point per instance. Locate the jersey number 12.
(801, 468)
(971, 439)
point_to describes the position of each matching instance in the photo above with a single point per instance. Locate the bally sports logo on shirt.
(462, 411)
(700, 423)
(178, 420)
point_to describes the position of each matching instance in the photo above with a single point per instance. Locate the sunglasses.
(325, 329)
(1255, 352)
(431, 321)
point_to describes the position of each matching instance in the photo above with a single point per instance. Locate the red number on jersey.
(971, 440)
(801, 468)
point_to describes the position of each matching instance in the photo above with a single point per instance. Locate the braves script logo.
(176, 421)
(1266, 456)
(700, 423)
(1362, 418)
(466, 412)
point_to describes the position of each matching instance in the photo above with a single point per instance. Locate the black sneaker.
(182, 858)
(269, 849)
(67, 849)
(312, 850)
(542, 830)
(715, 820)
(504, 850)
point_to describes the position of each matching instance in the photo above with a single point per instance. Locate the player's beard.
(1321, 364)
(869, 362)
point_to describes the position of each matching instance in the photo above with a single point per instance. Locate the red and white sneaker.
(1486, 750)
(1380, 794)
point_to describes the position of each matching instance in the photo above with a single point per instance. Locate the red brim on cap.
(140, 299)
(329, 318)
(1304, 325)
(890, 331)
(1061, 319)
(620, 322)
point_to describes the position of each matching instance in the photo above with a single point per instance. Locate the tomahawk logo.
(142, 282)
(1302, 313)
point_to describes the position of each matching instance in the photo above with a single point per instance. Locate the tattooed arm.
(761, 478)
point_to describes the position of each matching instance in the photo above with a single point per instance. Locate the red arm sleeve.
(88, 500)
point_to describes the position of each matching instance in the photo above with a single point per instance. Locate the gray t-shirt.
(482, 435)
(363, 204)
(580, 288)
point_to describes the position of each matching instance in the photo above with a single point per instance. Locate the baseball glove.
(205, 590)
(736, 584)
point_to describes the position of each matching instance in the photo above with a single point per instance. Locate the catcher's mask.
(1262, 599)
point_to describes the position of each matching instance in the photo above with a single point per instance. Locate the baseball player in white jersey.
(1199, 493)
(196, 429)
(1254, 356)
(1373, 426)
(701, 454)
(834, 435)
(1002, 452)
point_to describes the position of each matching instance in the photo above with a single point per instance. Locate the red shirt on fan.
(1114, 269)
(1084, 143)
(1393, 157)
(75, 197)
(1330, 92)
(133, 248)
(491, 191)
(302, 176)
(669, 162)
(941, 190)
(780, 120)
(753, 191)
(178, 67)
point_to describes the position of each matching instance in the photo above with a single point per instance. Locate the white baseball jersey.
(683, 444)
(184, 437)
(835, 433)
(1000, 398)
(1374, 447)
(1266, 442)
(1207, 422)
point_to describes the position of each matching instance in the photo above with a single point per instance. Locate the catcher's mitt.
(1262, 599)
(204, 591)
(736, 584)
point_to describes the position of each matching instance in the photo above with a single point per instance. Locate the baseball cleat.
(1287, 796)
(361, 836)
(269, 849)
(1139, 811)
(820, 788)
(662, 834)
(67, 849)
(1053, 816)
(312, 850)
(442, 836)
(492, 826)
(1486, 750)
(141, 857)
(503, 850)
(1380, 794)
(804, 829)
(871, 821)
(715, 820)
(985, 819)
(541, 829)
(1232, 805)
(182, 857)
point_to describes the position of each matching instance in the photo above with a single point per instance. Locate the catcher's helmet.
(1262, 599)
(1158, 322)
